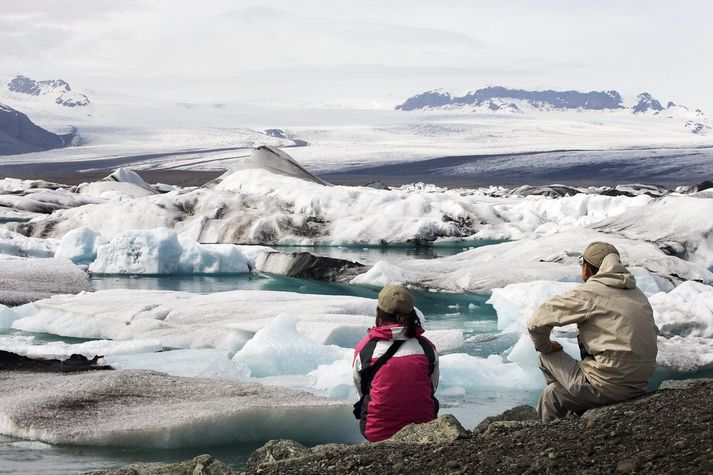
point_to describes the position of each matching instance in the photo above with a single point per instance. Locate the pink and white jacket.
(402, 391)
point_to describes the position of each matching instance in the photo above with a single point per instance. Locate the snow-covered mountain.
(502, 99)
(57, 90)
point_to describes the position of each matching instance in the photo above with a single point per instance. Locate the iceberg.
(223, 320)
(676, 223)
(153, 251)
(270, 198)
(80, 245)
(549, 257)
(279, 349)
(16, 245)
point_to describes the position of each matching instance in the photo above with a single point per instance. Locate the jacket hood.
(391, 332)
(612, 273)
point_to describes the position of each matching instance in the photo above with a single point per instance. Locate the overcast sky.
(366, 52)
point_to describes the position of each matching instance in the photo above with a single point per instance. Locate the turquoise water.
(20, 456)
(368, 254)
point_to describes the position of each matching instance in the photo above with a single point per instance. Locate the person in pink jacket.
(395, 369)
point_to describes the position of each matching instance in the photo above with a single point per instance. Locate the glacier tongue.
(153, 410)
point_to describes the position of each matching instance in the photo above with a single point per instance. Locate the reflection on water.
(370, 254)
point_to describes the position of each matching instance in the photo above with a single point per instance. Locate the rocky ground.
(670, 431)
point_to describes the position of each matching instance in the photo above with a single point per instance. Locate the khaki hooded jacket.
(616, 326)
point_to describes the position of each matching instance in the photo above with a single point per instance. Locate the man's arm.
(558, 311)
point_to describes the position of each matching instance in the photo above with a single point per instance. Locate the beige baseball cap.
(597, 251)
(396, 300)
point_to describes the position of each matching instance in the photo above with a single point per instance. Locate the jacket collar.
(391, 332)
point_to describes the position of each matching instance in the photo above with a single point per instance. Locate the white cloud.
(310, 49)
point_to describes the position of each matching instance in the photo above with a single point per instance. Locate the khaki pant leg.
(567, 389)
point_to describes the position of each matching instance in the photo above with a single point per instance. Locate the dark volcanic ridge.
(18, 134)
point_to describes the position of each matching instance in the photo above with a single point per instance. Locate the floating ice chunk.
(7, 317)
(154, 251)
(446, 340)
(686, 311)
(223, 320)
(516, 303)
(14, 244)
(132, 408)
(670, 220)
(650, 283)
(341, 330)
(384, 273)
(211, 258)
(279, 349)
(123, 184)
(205, 363)
(474, 374)
(160, 251)
(549, 257)
(30, 347)
(335, 379)
(125, 175)
(80, 245)
(685, 354)
(525, 355)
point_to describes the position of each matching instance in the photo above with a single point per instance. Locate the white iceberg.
(153, 251)
(548, 257)
(80, 245)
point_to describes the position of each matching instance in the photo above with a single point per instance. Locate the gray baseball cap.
(597, 251)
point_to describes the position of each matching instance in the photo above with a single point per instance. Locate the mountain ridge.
(57, 89)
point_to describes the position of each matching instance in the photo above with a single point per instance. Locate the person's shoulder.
(427, 341)
(364, 341)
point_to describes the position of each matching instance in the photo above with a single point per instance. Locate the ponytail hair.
(410, 321)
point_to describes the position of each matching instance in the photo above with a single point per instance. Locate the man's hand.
(554, 346)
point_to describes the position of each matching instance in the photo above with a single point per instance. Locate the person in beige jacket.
(617, 338)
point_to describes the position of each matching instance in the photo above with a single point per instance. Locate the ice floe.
(153, 410)
(548, 257)
(224, 320)
(16, 245)
(682, 224)
(26, 280)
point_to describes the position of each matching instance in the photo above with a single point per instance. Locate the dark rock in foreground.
(201, 465)
(670, 431)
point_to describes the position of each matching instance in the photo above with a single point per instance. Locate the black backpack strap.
(369, 372)
(430, 354)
